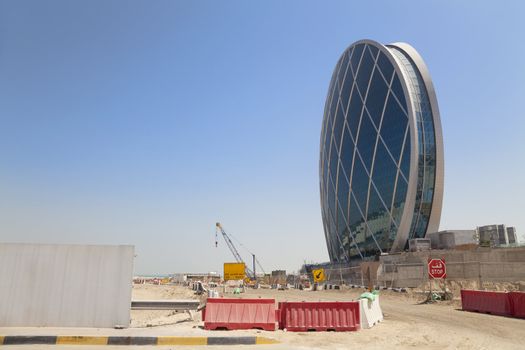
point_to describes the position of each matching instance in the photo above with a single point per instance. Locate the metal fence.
(346, 276)
(414, 274)
(398, 275)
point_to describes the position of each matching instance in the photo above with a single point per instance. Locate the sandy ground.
(408, 324)
(147, 318)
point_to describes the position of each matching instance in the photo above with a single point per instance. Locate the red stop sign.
(437, 268)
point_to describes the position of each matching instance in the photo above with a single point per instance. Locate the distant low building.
(495, 235)
(451, 239)
(485, 236)
(278, 277)
(196, 276)
(511, 235)
(419, 244)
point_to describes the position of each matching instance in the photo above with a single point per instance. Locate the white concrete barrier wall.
(370, 311)
(65, 285)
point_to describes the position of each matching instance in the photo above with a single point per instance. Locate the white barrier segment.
(370, 311)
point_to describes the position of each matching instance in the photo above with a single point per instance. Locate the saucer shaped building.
(381, 152)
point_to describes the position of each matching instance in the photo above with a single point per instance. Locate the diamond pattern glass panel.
(385, 66)
(366, 141)
(360, 183)
(384, 175)
(356, 57)
(365, 69)
(354, 113)
(347, 156)
(338, 125)
(398, 91)
(393, 127)
(376, 97)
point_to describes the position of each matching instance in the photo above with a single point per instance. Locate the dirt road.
(407, 325)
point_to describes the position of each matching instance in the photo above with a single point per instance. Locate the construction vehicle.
(251, 274)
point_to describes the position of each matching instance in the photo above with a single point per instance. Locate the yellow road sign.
(234, 271)
(318, 275)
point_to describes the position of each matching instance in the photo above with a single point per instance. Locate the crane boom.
(234, 250)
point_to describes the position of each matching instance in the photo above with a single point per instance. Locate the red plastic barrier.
(224, 313)
(496, 303)
(517, 302)
(319, 316)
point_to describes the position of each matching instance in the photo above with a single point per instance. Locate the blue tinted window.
(327, 126)
(338, 125)
(343, 191)
(356, 57)
(341, 233)
(333, 103)
(331, 195)
(354, 113)
(399, 199)
(350, 54)
(378, 219)
(360, 183)
(373, 51)
(366, 141)
(385, 66)
(405, 160)
(398, 91)
(365, 70)
(421, 226)
(375, 207)
(331, 238)
(376, 98)
(347, 152)
(346, 90)
(343, 68)
(333, 108)
(325, 164)
(333, 85)
(328, 139)
(393, 127)
(354, 218)
(333, 159)
(340, 74)
(384, 175)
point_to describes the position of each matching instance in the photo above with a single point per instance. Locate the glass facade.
(368, 150)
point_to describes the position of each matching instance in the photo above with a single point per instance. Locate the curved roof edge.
(437, 201)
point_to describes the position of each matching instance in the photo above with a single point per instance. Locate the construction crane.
(235, 252)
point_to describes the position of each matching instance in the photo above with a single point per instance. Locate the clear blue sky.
(127, 122)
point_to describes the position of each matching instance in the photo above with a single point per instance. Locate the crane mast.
(234, 250)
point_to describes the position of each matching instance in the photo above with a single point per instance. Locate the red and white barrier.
(497, 303)
(226, 313)
(517, 303)
(319, 316)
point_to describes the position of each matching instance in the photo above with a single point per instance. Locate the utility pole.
(254, 273)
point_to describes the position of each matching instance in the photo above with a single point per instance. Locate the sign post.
(437, 269)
